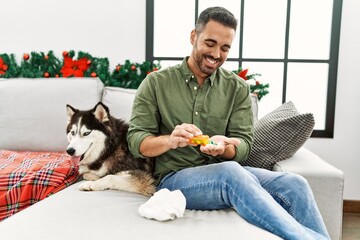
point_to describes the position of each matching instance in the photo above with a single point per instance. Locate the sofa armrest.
(326, 182)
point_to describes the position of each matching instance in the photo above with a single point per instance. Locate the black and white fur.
(105, 160)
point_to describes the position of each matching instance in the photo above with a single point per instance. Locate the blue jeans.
(281, 203)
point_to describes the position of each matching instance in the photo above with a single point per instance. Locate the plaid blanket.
(28, 177)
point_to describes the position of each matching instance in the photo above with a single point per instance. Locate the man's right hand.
(181, 134)
(153, 146)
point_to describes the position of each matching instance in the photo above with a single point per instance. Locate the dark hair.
(217, 14)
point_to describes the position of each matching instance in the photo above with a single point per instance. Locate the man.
(199, 97)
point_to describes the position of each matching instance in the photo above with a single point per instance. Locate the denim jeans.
(281, 203)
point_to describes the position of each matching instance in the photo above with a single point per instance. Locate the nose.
(215, 53)
(70, 151)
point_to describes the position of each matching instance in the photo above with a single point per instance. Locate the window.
(293, 44)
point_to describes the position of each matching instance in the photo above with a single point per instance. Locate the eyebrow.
(213, 41)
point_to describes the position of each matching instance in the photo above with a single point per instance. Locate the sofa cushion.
(119, 101)
(33, 111)
(254, 106)
(278, 135)
(111, 214)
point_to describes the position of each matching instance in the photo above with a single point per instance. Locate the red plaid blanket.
(28, 177)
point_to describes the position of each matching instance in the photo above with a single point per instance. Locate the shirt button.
(186, 80)
(195, 88)
(196, 113)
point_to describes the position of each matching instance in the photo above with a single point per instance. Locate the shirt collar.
(186, 72)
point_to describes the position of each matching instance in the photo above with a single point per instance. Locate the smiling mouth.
(211, 62)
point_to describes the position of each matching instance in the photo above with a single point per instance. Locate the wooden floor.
(351, 226)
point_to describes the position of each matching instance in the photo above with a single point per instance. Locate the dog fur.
(105, 160)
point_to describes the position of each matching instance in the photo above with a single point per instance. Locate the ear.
(193, 37)
(70, 112)
(101, 112)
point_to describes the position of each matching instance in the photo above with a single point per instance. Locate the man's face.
(211, 47)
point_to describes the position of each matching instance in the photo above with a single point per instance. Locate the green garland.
(8, 66)
(39, 64)
(127, 75)
(260, 89)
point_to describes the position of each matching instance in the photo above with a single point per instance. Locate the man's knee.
(298, 186)
(296, 180)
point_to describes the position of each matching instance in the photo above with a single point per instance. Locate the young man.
(199, 97)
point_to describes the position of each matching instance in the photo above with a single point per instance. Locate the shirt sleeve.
(144, 117)
(241, 124)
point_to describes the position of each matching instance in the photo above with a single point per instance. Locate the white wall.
(342, 150)
(116, 29)
(108, 28)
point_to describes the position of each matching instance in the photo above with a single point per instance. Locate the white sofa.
(33, 118)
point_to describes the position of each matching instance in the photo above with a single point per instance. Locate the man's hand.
(153, 146)
(223, 146)
(182, 133)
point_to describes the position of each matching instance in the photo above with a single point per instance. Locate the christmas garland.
(127, 75)
(260, 89)
(39, 64)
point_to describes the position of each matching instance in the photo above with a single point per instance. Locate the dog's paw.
(86, 186)
(90, 186)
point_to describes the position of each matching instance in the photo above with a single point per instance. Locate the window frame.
(328, 132)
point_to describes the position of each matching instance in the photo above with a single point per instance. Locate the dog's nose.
(70, 151)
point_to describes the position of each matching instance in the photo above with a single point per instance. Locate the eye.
(225, 49)
(210, 44)
(87, 133)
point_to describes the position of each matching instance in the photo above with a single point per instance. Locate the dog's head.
(86, 131)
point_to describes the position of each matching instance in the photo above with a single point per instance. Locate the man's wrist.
(229, 152)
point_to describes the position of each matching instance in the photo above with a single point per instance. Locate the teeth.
(212, 61)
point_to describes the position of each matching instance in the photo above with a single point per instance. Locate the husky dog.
(105, 160)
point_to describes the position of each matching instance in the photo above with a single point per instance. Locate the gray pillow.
(278, 135)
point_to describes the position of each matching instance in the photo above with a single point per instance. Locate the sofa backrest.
(119, 101)
(33, 111)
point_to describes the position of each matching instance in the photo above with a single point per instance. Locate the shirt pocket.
(215, 126)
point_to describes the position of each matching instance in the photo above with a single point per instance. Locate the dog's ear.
(70, 112)
(101, 112)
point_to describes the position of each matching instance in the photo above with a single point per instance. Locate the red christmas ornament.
(56, 75)
(46, 57)
(26, 56)
(118, 67)
(88, 62)
(93, 74)
(46, 74)
(133, 67)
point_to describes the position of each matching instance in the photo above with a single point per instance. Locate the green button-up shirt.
(172, 96)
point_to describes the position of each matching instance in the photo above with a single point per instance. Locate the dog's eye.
(87, 133)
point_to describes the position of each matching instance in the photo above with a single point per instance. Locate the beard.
(206, 63)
